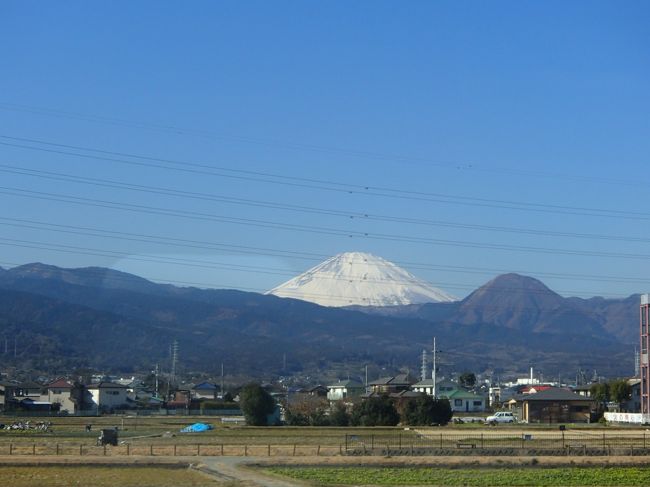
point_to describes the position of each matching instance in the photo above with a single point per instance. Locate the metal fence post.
(441, 441)
(603, 440)
(372, 443)
(481, 441)
(400, 440)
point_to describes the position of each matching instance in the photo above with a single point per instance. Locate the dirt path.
(234, 469)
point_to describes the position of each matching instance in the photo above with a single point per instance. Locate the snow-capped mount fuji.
(360, 279)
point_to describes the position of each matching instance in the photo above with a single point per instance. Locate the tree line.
(258, 405)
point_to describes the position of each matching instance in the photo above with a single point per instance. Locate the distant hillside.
(524, 303)
(109, 319)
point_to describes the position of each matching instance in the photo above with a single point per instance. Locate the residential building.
(59, 394)
(107, 396)
(205, 390)
(460, 399)
(7, 393)
(583, 390)
(344, 390)
(553, 405)
(633, 405)
(424, 386)
(465, 401)
(388, 385)
(316, 391)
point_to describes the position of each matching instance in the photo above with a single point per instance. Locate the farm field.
(160, 436)
(129, 476)
(470, 476)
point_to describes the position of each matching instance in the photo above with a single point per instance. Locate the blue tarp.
(197, 428)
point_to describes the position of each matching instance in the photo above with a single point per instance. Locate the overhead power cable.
(99, 182)
(306, 228)
(290, 254)
(203, 264)
(372, 155)
(310, 183)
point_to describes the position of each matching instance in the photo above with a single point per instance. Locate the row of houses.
(65, 396)
(539, 403)
(400, 386)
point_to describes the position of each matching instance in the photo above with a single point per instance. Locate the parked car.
(501, 417)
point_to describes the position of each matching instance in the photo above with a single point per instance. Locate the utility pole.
(222, 391)
(156, 374)
(366, 384)
(174, 360)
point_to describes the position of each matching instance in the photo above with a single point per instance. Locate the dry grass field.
(103, 476)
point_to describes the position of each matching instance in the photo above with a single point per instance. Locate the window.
(478, 403)
(458, 402)
(644, 344)
(644, 321)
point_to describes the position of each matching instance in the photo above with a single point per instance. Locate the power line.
(306, 228)
(300, 255)
(171, 129)
(210, 264)
(324, 185)
(291, 254)
(99, 182)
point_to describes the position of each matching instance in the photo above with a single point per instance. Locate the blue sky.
(521, 102)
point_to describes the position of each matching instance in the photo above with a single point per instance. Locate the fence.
(541, 442)
(185, 450)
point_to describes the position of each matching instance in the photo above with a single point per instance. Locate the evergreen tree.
(339, 415)
(426, 411)
(467, 379)
(375, 411)
(620, 390)
(256, 404)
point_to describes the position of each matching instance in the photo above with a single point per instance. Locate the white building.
(59, 393)
(107, 396)
(345, 389)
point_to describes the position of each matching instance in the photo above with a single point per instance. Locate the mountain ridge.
(249, 330)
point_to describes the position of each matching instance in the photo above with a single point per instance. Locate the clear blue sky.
(532, 102)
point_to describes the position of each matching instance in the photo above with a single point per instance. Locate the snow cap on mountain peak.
(359, 278)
